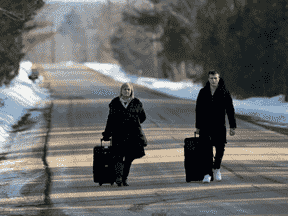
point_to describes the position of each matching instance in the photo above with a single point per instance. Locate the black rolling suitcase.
(103, 164)
(194, 159)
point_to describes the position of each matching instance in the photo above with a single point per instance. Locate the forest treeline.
(246, 41)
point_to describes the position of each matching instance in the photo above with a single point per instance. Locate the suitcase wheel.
(112, 183)
(100, 183)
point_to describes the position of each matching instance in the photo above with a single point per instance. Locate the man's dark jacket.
(211, 111)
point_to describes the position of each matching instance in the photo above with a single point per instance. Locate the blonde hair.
(130, 86)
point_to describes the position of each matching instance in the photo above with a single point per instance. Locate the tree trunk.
(175, 72)
(183, 70)
(285, 89)
(284, 81)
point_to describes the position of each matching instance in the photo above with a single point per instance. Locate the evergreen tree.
(248, 48)
(14, 15)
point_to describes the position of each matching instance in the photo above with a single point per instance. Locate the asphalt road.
(254, 167)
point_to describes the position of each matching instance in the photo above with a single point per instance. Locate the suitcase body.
(195, 157)
(103, 164)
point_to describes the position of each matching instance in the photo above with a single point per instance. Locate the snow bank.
(17, 99)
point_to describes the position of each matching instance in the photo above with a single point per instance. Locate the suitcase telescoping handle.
(103, 140)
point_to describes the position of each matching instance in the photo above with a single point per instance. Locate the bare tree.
(132, 48)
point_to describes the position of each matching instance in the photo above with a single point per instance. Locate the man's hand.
(232, 131)
(197, 131)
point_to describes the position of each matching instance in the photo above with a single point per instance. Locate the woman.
(126, 113)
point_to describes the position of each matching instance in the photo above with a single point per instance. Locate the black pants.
(220, 148)
(207, 159)
(209, 163)
(122, 168)
(210, 138)
(214, 137)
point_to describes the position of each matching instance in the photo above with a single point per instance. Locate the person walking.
(126, 114)
(213, 103)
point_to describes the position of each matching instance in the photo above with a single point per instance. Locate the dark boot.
(126, 170)
(119, 170)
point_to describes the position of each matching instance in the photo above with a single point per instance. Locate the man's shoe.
(207, 179)
(217, 175)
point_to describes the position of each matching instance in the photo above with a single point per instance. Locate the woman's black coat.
(123, 125)
(211, 111)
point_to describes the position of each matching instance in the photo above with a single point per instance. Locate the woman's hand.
(106, 138)
(232, 131)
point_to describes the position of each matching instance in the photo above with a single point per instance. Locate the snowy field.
(269, 111)
(18, 99)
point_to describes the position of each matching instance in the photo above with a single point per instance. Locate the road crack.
(140, 206)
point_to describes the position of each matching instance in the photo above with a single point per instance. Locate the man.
(213, 102)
